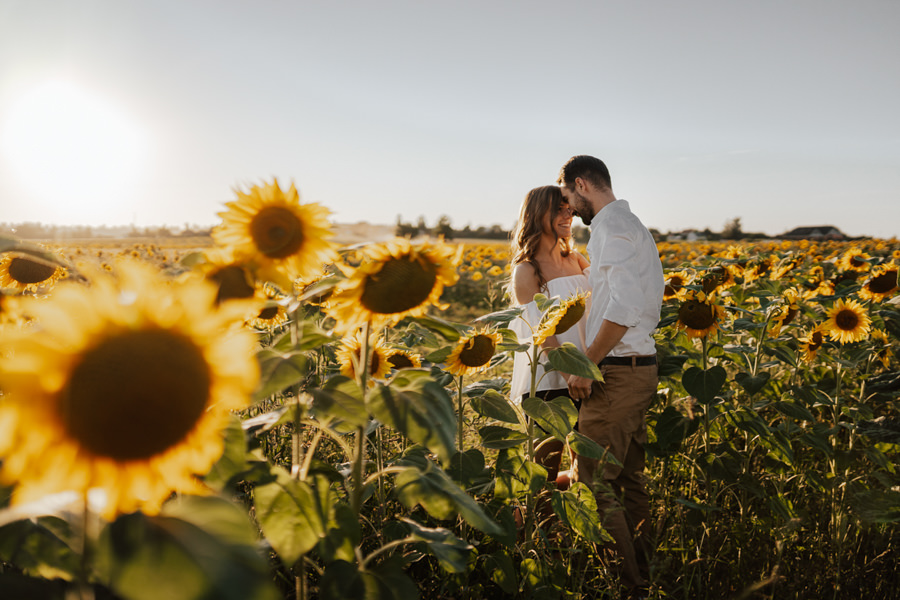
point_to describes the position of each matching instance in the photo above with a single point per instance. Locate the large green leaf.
(309, 336)
(504, 317)
(569, 359)
(671, 429)
(497, 437)
(279, 371)
(704, 385)
(557, 416)
(752, 383)
(198, 548)
(449, 331)
(432, 489)
(340, 404)
(494, 405)
(289, 513)
(452, 553)
(419, 408)
(40, 546)
(577, 508)
(516, 476)
(502, 569)
(585, 446)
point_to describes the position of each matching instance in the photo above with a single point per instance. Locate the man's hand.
(579, 387)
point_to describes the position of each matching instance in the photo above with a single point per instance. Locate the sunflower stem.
(357, 473)
(84, 588)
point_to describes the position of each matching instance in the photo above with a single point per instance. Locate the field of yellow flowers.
(273, 415)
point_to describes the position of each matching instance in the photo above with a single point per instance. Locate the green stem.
(359, 455)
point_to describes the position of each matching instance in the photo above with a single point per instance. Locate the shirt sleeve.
(618, 266)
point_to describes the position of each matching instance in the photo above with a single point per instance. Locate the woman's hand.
(579, 387)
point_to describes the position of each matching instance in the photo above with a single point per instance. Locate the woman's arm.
(525, 283)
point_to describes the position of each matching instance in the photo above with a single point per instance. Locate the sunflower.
(283, 238)
(675, 282)
(698, 315)
(495, 271)
(561, 317)
(758, 269)
(854, 260)
(350, 350)
(273, 313)
(883, 351)
(786, 312)
(847, 322)
(123, 386)
(27, 274)
(404, 359)
(718, 277)
(394, 280)
(881, 284)
(473, 352)
(810, 344)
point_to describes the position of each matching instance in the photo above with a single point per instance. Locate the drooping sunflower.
(349, 356)
(26, 273)
(883, 350)
(283, 238)
(786, 312)
(123, 386)
(403, 359)
(810, 344)
(473, 352)
(675, 282)
(561, 317)
(273, 312)
(882, 283)
(758, 269)
(394, 280)
(719, 277)
(699, 315)
(847, 322)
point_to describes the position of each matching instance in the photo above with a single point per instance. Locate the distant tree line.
(40, 231)
(443, 227)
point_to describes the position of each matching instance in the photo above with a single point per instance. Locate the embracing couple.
(625, 278)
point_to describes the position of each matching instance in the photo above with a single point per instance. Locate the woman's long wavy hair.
(526, 238)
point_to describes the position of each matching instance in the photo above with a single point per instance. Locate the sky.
(782, 114)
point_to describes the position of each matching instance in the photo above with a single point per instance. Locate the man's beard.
(582, 208)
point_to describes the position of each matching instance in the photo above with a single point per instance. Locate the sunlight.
(72, 150)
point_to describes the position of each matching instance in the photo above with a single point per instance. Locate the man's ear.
(580, 185)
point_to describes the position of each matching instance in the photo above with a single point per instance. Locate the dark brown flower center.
(846, 319)
(277, 232)
(233, 282)
(674, 284)
(714, 278)
(28, 272)
(477, 351)
(696, 315)
(816, 340)
(573, 314)
(400, 360)
(136, 394)
(401, 284)
(268, 313)
(883, 283)
(789, 315)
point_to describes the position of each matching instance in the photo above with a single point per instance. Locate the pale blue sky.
(782, 113)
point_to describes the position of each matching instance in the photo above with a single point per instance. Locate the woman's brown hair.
(526, 237)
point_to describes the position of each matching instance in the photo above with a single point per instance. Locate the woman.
(544, 260)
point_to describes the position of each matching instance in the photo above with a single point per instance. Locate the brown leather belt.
(630, 361)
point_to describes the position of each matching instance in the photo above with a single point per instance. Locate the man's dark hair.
(588, 168)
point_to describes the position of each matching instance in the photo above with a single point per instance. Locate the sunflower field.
(277, 416)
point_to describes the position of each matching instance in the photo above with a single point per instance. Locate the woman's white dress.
(564, 287)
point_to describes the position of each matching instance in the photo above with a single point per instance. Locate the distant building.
(820, 232)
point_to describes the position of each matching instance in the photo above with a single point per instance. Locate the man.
(626, 279)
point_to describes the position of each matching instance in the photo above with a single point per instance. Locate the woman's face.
(562, 224)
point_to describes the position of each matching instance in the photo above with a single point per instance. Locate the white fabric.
(523, 326)
(626, 278)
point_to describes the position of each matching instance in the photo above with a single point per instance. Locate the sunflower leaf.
(340, 401)
(557, 417)
(279, 371)
(418, 408)
(432, 489)
(449, 331)
(503, 316)
(451, 552)
(577, 508)
(569, 359)
(496, 437)
(704, 385)
(516, 476)
(495, 405)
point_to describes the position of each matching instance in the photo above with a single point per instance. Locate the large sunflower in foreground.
(473, 352)
(285, 239)
(699, 315)
(27, 274)
(561, 317)
(124, 386)
(882, 283)
(393, 280)
(847, 322)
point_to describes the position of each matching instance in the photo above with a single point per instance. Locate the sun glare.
(72, 150)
